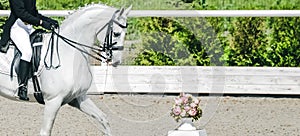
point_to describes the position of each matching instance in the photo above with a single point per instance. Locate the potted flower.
(187, 109)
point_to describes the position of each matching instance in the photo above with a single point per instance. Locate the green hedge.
(247, 43)
(243, 41)
(284, 48)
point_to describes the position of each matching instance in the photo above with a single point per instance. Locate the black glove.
(53, 22)
(47, 25)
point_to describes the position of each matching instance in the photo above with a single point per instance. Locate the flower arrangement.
(186, 106)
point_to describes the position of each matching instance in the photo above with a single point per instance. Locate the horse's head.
(118, 25)
(99, 25)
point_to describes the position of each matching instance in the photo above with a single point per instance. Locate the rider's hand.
(53, 22)
(47, 25)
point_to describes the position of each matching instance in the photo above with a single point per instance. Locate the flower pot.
(186, 124)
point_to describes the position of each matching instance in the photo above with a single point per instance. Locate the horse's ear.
(128, 10)
(122, 10)
(123, 7)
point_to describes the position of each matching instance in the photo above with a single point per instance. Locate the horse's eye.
(117, 34)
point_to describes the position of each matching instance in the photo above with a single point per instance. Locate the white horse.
(69, 83)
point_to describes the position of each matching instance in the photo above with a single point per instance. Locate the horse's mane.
(81, 10)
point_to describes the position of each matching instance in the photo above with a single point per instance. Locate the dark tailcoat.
(25, 10)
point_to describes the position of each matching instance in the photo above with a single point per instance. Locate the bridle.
(107, 46)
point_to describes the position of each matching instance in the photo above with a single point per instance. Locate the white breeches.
(20, 35)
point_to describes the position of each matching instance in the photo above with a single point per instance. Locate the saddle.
(36, 39)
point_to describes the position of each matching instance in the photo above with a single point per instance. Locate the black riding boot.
(24, 67)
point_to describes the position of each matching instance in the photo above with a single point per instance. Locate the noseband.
(107, 46)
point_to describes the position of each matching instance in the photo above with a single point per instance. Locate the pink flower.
(193, 112)
(178, 101)
(184, 99)
(193, 105)
(177, 110)
(187, 108)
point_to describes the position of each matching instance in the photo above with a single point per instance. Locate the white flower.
(183, 113)
(196, 101)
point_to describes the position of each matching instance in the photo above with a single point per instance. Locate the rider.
(18, 27)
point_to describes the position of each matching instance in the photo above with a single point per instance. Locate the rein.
(107, 45)
(50, 47)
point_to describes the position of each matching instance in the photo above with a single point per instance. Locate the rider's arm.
(18, 8)
(40, 16)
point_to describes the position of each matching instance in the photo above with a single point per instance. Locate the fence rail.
(196, 79)
(186, 13)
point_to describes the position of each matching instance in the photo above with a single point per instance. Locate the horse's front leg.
(87, 106)
(51, 108)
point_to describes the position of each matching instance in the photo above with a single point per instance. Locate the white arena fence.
(194, 79)
(197, 79)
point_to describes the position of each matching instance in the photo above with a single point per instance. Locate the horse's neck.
(82, 35)
(82, 28)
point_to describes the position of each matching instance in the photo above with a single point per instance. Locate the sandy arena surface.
(148, 115)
